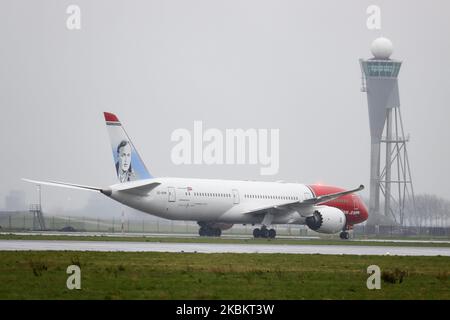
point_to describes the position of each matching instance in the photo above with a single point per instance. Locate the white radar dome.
(381, 48)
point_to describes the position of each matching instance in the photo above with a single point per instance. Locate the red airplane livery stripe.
(110, 117)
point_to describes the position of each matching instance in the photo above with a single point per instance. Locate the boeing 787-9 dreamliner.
(218, 204)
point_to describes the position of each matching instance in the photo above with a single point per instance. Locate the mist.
(161, 66)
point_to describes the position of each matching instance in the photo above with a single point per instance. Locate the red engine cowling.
(326, 220)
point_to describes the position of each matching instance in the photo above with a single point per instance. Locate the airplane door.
(235, 196)
(172, 194)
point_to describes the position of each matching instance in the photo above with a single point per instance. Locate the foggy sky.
(161, 65)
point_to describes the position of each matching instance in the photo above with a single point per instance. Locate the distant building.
(15, 200)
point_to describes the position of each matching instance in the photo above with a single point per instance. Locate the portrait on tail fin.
(124, 167)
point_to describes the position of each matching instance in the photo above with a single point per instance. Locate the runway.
(146, 235)
(123, 246)
(194, 235)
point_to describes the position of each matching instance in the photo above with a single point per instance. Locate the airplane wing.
(302, 204)
(329, 197)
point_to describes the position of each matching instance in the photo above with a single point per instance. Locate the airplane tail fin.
(129, 165)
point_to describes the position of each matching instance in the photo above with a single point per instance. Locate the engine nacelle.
(326, 220)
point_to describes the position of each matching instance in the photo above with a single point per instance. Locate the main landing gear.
(344, 235)
(264, 233)
(209, 232)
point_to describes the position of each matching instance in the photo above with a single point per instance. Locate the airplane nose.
(363, 210)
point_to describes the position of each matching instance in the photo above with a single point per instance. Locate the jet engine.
(326, 220)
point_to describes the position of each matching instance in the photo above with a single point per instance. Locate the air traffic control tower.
(388, 142)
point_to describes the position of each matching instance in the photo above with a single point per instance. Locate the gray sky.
(160, 65)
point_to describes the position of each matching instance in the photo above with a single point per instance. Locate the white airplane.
(218, 204)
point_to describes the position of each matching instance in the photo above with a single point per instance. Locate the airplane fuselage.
(230, 201)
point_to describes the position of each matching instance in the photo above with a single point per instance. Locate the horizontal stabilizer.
(64, 185)
(141, 190)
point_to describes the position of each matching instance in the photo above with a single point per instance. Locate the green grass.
(196, 239)
(42, 275)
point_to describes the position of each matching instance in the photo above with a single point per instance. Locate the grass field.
(42, 275)
(196, 239)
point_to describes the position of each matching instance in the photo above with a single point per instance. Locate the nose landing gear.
(344, 235)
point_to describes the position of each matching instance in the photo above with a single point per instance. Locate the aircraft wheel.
(202, 232)
(264, 233)
(344, 235)
(272, 233)
(257, 233)
(217, 232)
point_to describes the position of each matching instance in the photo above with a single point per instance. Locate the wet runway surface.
(192, 235)
(124, 246)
